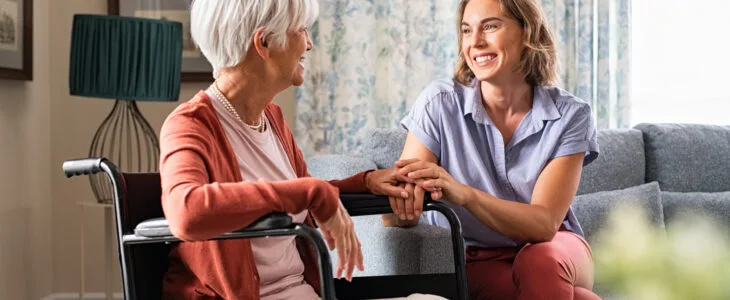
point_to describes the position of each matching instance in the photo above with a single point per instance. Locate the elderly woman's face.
(289, 60)
(491, 41)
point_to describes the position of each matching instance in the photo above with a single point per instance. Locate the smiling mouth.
(484, 59)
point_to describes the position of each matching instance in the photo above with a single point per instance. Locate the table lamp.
(126, 59)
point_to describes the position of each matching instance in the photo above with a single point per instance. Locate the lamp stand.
(127, 140)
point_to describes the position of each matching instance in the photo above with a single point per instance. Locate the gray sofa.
(669, 169)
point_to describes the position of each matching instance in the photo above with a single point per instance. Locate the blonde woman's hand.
(339, 232)
(434, 179)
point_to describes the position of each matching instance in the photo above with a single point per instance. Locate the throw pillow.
(592, 210)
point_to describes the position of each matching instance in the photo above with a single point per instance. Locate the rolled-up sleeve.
(579, 135)
(424, 121)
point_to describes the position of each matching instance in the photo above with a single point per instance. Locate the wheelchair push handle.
(84, 166)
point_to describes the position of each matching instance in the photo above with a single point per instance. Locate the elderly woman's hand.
(407, 210)
(339, 232)
(386, 182)
(434, 179)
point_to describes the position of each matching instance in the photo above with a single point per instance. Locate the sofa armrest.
(393, 251)
(424, 249)
(336, 166)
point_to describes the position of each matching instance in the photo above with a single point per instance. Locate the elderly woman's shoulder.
(197, 109)
(199, 103)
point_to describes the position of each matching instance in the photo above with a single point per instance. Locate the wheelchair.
(144, 239)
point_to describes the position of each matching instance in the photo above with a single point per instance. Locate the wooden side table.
(108, 249)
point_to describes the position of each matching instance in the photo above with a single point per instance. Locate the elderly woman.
(505, 148)
(228, 158)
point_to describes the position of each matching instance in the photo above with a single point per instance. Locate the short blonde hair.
(539, 59)
(224, 29)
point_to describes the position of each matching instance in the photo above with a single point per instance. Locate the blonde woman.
(505, 148)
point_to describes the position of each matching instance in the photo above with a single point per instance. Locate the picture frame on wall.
(16, 39)
(195, 68)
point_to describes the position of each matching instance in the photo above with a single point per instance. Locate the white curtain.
(593, 38)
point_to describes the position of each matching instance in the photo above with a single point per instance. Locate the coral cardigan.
(203, 196)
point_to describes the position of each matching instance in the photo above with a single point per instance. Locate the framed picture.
(194, 66)
(16, 39)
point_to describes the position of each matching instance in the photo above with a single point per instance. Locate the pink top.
(261, 156)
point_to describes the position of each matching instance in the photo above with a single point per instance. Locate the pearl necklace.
(229, 107)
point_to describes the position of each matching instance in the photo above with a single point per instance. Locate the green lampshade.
(125, 58)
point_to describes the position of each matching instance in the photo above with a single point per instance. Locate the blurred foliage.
(636, 260)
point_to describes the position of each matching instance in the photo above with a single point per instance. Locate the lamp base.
(126, 139)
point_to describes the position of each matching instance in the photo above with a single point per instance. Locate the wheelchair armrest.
(363, 204)
(159, 227)
(155, 231)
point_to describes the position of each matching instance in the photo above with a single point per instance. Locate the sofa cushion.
(424, 249)
(336, 166)
(715, 206)
(687, 157)
(384, 146)
(592, 210)
(620, 165)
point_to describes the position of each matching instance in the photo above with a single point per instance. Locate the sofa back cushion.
(714, 206)
(383, 146)
(687, 157)
(619, 165)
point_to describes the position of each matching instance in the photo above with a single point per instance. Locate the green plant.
(636, 260)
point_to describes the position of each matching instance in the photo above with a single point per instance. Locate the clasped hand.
(421, 177)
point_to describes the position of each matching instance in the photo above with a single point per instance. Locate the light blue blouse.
(450, 120)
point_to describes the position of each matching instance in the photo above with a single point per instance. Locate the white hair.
(224, 29)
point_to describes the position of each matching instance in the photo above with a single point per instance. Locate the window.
(680, 61)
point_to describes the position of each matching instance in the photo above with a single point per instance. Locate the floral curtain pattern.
(372, 58)
(370, 61)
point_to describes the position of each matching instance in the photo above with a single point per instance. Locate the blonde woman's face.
(491, 42)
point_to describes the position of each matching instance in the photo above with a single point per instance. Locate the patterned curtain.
(372, 58)
(593, 38)
(370, 61)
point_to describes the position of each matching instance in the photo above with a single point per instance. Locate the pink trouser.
(559, 269)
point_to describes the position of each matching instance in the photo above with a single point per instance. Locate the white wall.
(25, 196)
(41, 125)
(680, 61)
